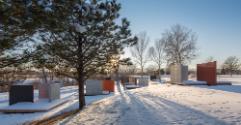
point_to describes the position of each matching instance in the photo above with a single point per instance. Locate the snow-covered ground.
(154, 105)
(66, 92)
(235, 79)
(163, 104)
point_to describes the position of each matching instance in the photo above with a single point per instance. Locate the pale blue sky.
(216, 22)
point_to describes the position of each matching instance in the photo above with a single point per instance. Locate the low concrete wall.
(139, 80)
(94, 87)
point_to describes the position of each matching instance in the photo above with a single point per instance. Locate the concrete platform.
(41, 105)
(192, 82)
(131, 86)
(224, 83)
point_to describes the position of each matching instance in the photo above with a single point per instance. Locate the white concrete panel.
(94, 87)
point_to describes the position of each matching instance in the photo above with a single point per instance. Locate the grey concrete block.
(49, 91)
(54, 91)
(94, 87)
(144, 81)
(179, 73)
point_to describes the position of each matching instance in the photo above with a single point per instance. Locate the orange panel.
(108, 85)
(207, 72)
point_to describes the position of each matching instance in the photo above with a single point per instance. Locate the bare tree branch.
(138, 51)
(180, 44)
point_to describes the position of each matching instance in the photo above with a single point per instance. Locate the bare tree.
(180, 44)
(151, 69)
(231, 64)
(156, 54)
(210, 59)
(138, 51)
(127, 69)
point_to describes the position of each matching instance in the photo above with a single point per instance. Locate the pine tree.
(19, 21)
(78, 34)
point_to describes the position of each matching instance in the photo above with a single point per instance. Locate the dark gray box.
(21, 93)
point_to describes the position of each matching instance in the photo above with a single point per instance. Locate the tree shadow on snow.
(227, 88)
(135, 108)
(157, 111)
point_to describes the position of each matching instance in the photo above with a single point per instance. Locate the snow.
(69, 92)
(235, 79)
(80, 28)
(158, 104)
(163, 104)
(227, 88)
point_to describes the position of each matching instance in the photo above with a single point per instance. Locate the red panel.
(108, 85)
(207, 72)
(43, 91)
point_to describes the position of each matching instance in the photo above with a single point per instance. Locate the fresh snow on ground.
(227, 88)
(154, 105)
(163, 104)
(235, 79)
(20, 118)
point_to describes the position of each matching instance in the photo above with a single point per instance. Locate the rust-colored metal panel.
(43, 90)
(207, 72)
(108, 85)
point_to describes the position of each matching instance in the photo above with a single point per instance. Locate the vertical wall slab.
(43, 91)
(109, 85)
(207, 72)
(94, 87)
(144, 80)
(153, 77)
(21, 93)
(49, 91)
(54, 91)
(124, 80)
(132, 80)
(179, 73)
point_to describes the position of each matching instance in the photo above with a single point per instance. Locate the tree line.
(176, 46)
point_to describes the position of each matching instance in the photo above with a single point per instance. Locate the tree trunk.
(44, 76)
(81, 90)
(159, 73)
(81, 76)
(117, 75)
(142, 70)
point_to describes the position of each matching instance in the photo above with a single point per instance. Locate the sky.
(217, 23)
